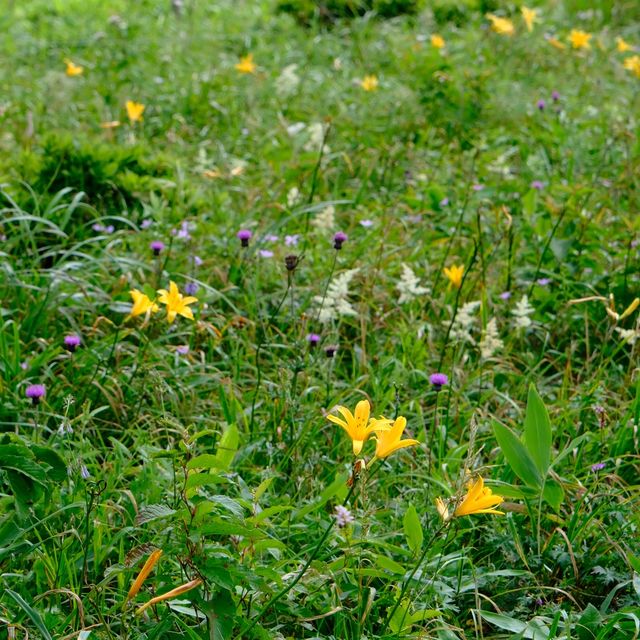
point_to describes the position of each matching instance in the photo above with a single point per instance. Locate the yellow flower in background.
(437, 41)
(554, 42)
(622, 46)
(389, 441)
(369, 83)
(529, 16)
(443, 510)
(177, 304)
(633, 64)
(144, 573)
(73, 69)
(170, 594)
(134, 110)
(454, 274)
(503, 26)
(579, 39)
(246, 64)
(141, 303)
(479, 499)
(359, 426)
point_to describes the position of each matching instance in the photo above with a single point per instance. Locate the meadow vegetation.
(319, 319)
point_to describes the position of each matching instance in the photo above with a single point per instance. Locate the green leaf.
(221, 612)
(57, 468)
(533, 629)
(388, 564)
(153, 512)
(413, 529)
(517, 456)
(553, 494)
(589, 623)
(537, 431)
(32, 613)
(228, 446)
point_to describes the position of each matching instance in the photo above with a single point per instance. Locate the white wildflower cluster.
(316, 132)
(464, 322)
(522, 313)
(287, 82)
(326, 219)
(293, 197)
(336, 301)
(629, 336)
(490, 343)
(409, 286)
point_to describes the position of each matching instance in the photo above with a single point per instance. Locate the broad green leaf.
(589, 624)
(533, 629)
(390, 565)
(553, 494)
(412, 529)
(537, 431)
(517, 456)
(31, 612)
(153, 512)
(228, 446)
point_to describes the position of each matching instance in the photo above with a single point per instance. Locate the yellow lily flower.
(170, 594)
(134, 110)
(503, 26)
(529, 16)
(73, 69)
(437, 41)
(633, 64)
(369, 83)
(246, 64)
(144, 573)
(479, 499)
(141, 304)
(622, 46)
(580, 39)
(177, 304)
(454, 274)
(359, 426)
(389, 441)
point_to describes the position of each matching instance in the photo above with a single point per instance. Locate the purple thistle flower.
(244, 235)
(598, 466)
(313, 339)
(505, 295)
(156, 247)
(338, 239)
(438, 380)
(537, 184)
(72, 342)
(191, 288)
(35, 392)
(555, 96)
(541, 104)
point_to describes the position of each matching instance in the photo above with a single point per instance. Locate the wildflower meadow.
(320, 319)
